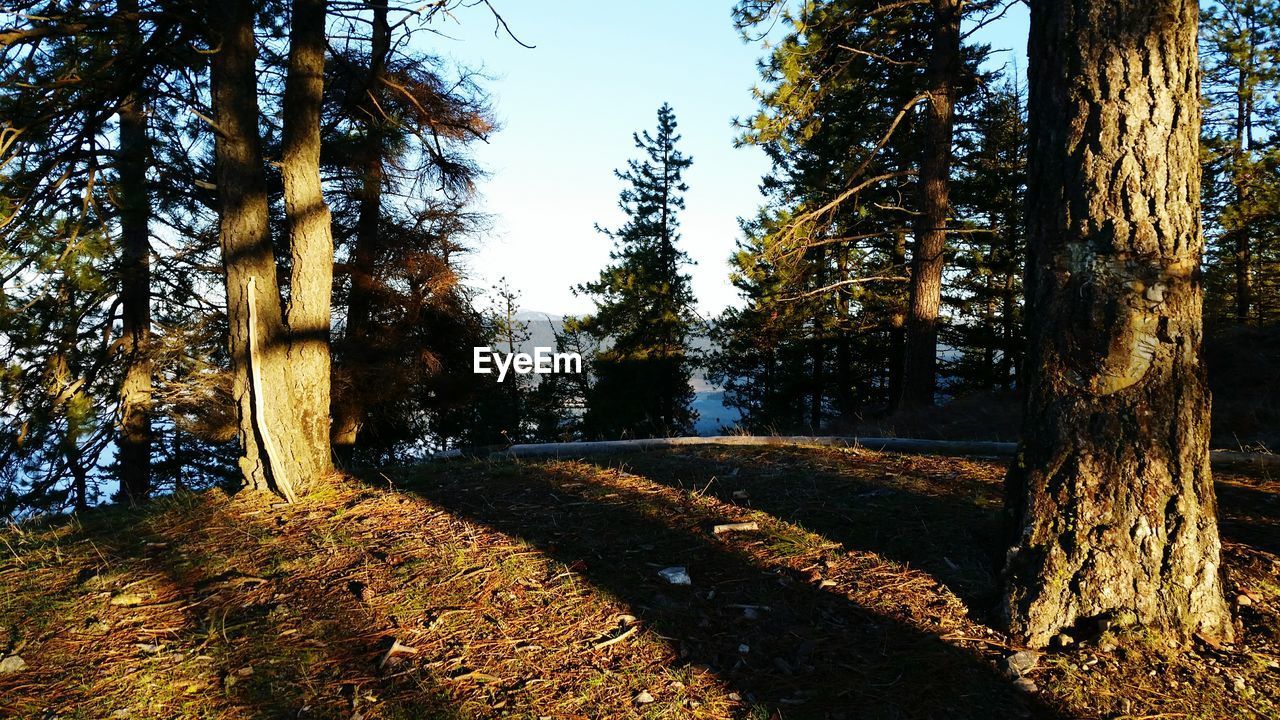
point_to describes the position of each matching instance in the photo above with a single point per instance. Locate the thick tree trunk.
(310, 236)
(349, 407)
(928, 254)
(258, 342)
(135, 435)
(1111, 497)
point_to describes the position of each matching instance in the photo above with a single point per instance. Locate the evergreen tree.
(1240, 59)
(984, 291)
(1111, 499)
(644, 303)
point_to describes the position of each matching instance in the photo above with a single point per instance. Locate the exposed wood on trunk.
(928, 253)
(135, 435)
(1111, 498)
(310, 237)
(262, 429)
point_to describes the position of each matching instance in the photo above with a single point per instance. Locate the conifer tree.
(1240, 58)
(644, 303)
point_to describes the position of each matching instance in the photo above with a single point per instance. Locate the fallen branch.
(733, 527)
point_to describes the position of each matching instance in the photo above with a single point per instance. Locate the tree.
(934, 187)
(401, 130)
(1111, 498)
(644, 303)
(135, 271)
(1240, 56)
(984, 290)
(310, 237)
(274, 445)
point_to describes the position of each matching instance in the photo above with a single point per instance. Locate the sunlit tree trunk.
(1110, 496)
(310, 237)
(258, 342)
(135, 436)
(928, 255)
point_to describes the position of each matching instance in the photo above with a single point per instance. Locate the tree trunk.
(349, 408)
(1242, 246)
(310, 237)
(1111, 497)
(258, 343)
(135, 435)
(897, 328)
(935, 188)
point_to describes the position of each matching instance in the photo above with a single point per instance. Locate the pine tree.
(1111, 497)
(1240, 56)
(984, 291)
(644, 303)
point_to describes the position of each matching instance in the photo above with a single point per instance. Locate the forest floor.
(533, 590)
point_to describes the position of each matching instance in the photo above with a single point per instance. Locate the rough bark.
(928, 254)
(1110, 497)
(348, 405)
(310, 236)
(135, 436)
(264, 407)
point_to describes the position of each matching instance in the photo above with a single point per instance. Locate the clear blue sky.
(599, 71)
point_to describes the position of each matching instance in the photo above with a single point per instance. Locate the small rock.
(1107, 647)
(676, 575)
(735, 696)
(744, 648)
(1026, 685)
(1063, 640)
(1021, 662)
(12, 664)
(1244, 601)
(127, 600)
(1239, 685)
(750, 614)
(644, 698)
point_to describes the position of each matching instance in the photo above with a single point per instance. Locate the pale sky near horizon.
(567, 108)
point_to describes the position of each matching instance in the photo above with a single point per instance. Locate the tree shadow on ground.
(1249, 512)
(175, 611)
(793, 647)
(933, 514)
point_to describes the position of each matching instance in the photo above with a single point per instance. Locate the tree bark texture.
(310, 236)
(928, 255)
(1110, 496)
(135, 435)
(257, 339)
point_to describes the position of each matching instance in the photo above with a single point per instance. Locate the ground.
(533, 589)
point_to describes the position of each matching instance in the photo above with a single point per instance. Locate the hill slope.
(520, 589)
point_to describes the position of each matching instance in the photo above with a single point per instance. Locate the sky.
(567, 109)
